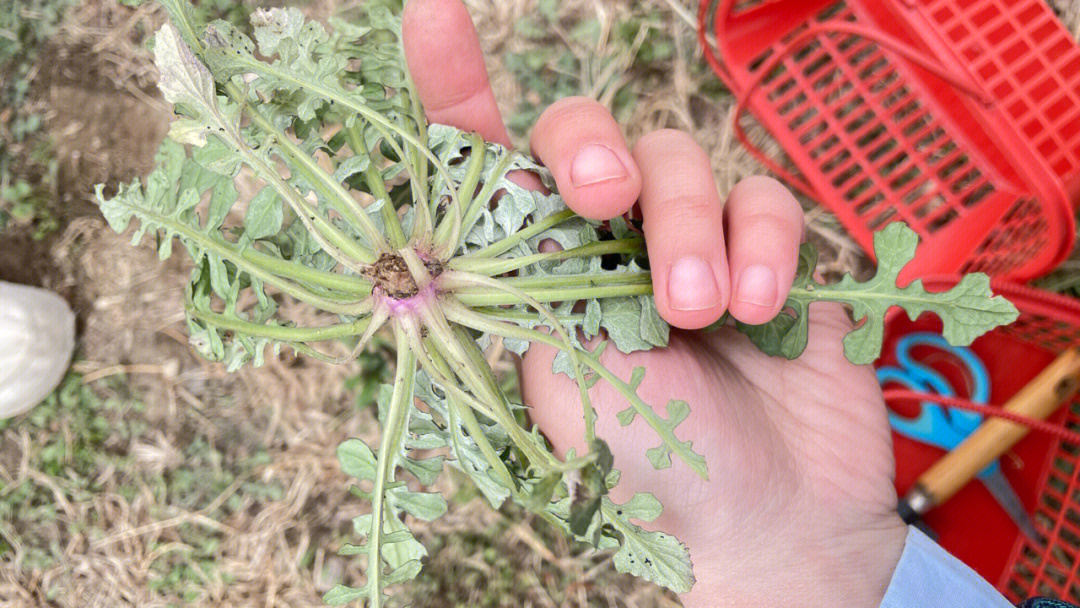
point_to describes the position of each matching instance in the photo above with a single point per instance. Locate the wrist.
(849, 569)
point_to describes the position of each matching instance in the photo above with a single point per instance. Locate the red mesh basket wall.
(959, 117)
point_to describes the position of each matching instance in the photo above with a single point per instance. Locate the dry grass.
(224, 490)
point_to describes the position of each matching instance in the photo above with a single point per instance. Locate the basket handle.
(721, 70)
(962, 82)
(703, 39)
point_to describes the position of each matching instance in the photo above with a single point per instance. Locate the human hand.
(799, 508)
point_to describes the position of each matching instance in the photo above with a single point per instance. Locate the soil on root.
(391, 275)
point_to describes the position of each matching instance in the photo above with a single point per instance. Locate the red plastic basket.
(1045, 472)
(959, 117)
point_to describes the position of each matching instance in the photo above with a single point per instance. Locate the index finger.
(444, 57)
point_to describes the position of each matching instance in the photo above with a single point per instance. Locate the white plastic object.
(37, 339)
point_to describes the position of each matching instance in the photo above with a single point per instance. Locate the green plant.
(390, 223)
(24, 28)
(23, 204)
(27, 168)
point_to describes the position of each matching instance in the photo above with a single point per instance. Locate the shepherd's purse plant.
(367, 212)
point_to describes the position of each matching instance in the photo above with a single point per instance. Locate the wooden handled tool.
(1038, 399)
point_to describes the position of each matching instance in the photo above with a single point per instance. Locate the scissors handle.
(976, 369)
(930, 426)
(934, 425)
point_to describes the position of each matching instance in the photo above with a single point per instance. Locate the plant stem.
(471, 423)
(553, 281)
(478, 322)
(330, 238)
(393, 433)
(483, 198)
(333, 192)
(586, 403)
(480, 296)
(422, 221)
(521, 316)
(416, 267)
(506, 244)
(468, 318)
(269, 273)
(457, 355)
(551, 463)
(342, 97)
(283, 334)
(336, 243)
(377, 320)
(427, 357)
(449, 240)
(420, 163)
(346, 284)
(494, 266)
(377, 185)
(308, 351)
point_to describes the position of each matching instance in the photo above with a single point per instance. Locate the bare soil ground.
(160, 480)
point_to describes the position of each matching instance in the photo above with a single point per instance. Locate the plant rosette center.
(392, 277)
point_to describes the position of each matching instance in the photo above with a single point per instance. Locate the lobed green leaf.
(967, 311)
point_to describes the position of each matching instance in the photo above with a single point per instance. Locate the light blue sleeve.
(928, 577)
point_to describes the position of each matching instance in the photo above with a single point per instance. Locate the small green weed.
(25, 179)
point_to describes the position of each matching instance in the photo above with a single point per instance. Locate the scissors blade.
(1005, 496)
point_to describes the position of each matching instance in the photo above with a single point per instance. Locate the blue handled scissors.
(947, 429)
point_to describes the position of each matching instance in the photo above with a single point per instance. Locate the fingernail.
(596, 164)
(692, 285)
(757, 286)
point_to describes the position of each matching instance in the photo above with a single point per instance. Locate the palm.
(791, 445)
